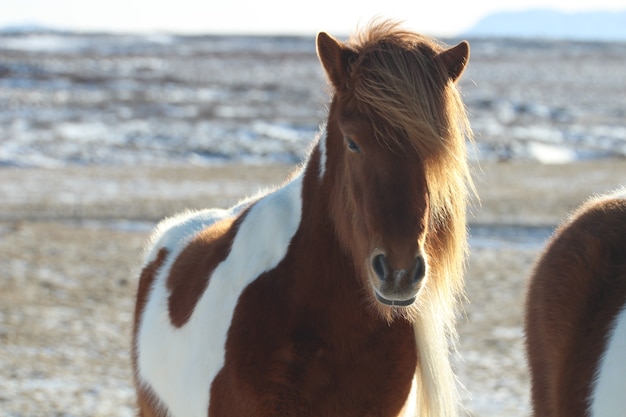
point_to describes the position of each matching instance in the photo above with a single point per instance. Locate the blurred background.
(143, 82)
(116, 114)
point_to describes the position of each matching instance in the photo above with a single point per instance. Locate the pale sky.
(433, 17)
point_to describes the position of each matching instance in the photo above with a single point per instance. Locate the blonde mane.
(397, 80)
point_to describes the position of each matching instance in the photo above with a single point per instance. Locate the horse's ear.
(335, 59)
(455, 59)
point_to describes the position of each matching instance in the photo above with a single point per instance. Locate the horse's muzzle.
(396, 287)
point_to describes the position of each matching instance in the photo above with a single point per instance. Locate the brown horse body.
(335, 294)
(576, 315)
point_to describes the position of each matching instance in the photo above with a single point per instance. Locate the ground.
(71, 243)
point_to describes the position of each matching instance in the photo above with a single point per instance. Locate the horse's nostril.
(419, 269)
(380, 266)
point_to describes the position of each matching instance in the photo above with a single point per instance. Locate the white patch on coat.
(179, 364)
(608, 398)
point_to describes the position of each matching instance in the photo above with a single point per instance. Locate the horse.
(335, 293)
(575, 315)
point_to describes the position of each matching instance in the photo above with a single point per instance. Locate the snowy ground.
(110, 100)
(102, 136)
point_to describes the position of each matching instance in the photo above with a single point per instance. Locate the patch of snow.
(550, 154)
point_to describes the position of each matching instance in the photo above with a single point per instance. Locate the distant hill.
(551, 24)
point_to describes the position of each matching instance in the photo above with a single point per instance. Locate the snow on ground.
(110, 100)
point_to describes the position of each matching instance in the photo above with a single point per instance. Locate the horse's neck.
(320, 319)
(317, 236)
(325, 275)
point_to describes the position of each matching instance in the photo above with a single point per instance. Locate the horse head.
(386, 125)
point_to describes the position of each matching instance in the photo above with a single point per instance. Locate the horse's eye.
(352, 145)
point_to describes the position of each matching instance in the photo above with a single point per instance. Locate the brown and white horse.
(576, 315)
(335, 294)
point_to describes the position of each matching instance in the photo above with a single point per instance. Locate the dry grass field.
(71, 243)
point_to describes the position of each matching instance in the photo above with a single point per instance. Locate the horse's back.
(196, 268)
(575, 320)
